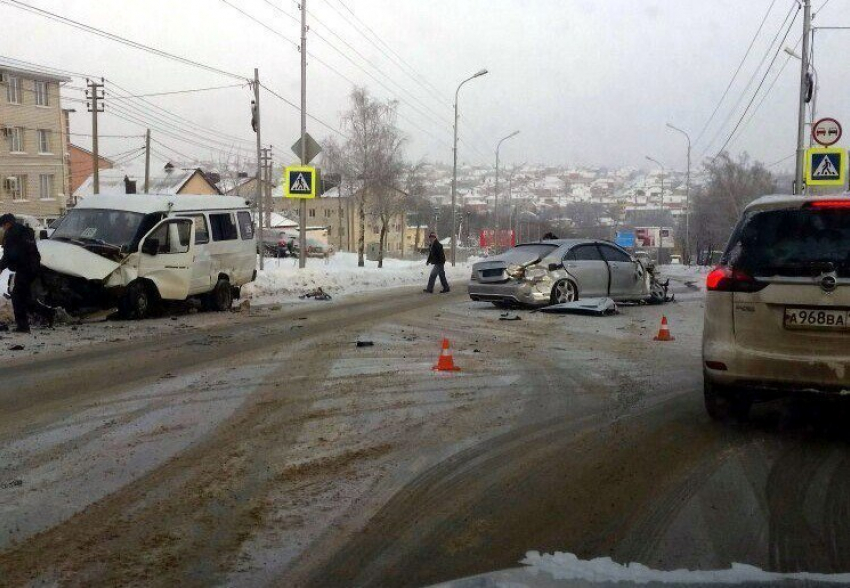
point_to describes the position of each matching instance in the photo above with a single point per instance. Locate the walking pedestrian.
(437, 258)
(20, 255)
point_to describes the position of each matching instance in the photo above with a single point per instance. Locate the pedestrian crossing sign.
(826, 166)
(299, 181)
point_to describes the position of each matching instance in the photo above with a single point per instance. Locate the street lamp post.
(496, 200)
(454, 167)
(687, 196)
(661, 224)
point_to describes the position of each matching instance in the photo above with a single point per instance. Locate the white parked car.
(777, 311)
(132, 251)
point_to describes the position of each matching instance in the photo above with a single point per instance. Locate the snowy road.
(268, 448)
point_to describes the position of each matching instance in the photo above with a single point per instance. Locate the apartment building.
(33, 170)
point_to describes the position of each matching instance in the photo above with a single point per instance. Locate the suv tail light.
(726, 279)
(828, 204)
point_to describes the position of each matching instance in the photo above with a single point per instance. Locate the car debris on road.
(592, 306)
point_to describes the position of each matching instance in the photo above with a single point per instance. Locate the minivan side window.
(246, 225)
(223, 226)
(202, 233)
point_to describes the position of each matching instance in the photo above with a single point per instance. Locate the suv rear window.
(794, 242)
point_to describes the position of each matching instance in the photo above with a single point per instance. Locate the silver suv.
(777, 311)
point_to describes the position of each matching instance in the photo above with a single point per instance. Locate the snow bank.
(281, 280)
(566, 566)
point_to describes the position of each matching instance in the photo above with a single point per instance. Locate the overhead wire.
(764, 77)
(400, 60)
(118, 38)
(353, 49)
(737, 71)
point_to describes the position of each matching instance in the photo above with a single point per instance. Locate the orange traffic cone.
(664, 331)
(446, 363)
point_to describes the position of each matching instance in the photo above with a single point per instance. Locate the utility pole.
(147, 160)
(259, 195)
(302, 205)
(804, 81)
(95, 95)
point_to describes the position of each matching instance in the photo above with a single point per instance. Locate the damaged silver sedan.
(563, 270)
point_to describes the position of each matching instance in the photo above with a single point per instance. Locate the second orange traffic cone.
(446, 362)
(664, 331)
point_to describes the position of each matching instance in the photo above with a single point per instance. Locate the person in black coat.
(20, 255)
(437, 258)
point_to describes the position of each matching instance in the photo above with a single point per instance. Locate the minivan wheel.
(222, 296)
(723, 403)
(564, 291)
(137, 302)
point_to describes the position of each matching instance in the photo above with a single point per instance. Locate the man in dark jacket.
(437, 258)
(20, 255)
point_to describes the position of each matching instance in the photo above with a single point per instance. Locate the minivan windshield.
(85, 226)
(794, 242)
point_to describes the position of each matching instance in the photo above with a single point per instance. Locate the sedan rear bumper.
(511, 291)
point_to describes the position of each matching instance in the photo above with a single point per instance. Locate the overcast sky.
(586, 82)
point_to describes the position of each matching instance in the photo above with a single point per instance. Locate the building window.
(41, 98)
(328, 213)
(15, 137)
(311, 213)
(45, 186)
(15, 187)
(13, 89)
(43, 141)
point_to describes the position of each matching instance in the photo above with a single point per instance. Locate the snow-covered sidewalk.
(282, 281)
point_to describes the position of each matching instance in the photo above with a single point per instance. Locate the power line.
(177, 121)
(356, 52)
(400, 59)
(117, 38)
(735, 75)
(173, 92)
(749, 84)
(764, 77)
(310, 116)
(335, 70)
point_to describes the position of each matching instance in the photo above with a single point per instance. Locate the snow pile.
(566, 566)
(282, 280)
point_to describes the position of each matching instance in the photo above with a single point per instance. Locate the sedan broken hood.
(73, 260)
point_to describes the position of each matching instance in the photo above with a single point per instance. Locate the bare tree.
(370, 159)
(730, 186)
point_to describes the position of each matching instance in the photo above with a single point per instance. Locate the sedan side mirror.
(555, 266)
(150, 246)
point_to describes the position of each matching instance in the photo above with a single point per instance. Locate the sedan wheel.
(564, 291)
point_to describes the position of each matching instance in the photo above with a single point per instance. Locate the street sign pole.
(302, 207)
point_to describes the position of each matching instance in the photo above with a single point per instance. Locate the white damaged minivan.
(134, 251)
